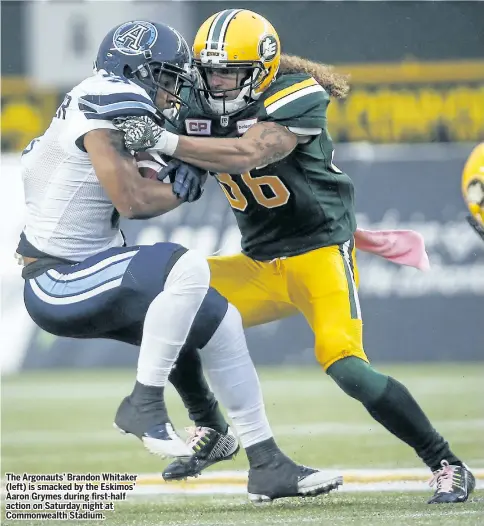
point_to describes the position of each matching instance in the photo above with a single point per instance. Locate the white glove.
(142, 133)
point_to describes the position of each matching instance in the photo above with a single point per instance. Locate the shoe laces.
(196, 436)
(444, 478)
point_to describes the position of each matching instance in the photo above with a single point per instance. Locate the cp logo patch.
(198, 126)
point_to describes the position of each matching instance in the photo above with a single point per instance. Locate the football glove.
(140, 133)
(187, 180)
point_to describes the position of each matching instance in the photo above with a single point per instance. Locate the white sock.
(234, 380)
(170, 317)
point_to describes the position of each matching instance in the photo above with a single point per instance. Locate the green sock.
(358, 379)
(398, 411)
(391, 404)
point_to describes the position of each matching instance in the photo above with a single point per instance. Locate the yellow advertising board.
(411, 102)
(404, 102)
(26, 112)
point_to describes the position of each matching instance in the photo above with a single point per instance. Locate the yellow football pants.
(321, 284)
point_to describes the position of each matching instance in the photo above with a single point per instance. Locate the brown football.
(149, 164)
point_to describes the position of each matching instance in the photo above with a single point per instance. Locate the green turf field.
(61, 422)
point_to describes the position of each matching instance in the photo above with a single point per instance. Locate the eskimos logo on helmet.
(267, 48)
(133, 38)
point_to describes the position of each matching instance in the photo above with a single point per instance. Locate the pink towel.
(403, 247)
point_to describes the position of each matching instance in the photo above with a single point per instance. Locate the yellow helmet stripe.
(287, 91)
(218, 30)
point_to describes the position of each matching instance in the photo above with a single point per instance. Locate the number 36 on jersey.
(268, 190)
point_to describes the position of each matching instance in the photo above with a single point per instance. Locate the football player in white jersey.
(82, 281)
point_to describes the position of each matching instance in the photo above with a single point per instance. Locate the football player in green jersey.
(262, 129)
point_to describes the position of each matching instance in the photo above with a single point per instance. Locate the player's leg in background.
(329, 300)
(188, 378)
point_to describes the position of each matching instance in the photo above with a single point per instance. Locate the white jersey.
(69, 215)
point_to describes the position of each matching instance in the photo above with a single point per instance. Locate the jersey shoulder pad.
(106, 97)
(295, 100)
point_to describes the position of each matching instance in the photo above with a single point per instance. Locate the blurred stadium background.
(415, 111)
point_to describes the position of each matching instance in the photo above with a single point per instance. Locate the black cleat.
(454, 484)
(150, 423)
(207, 447)
(284, 478)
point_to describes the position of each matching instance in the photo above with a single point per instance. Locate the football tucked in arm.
(150, 164)
(187, 181)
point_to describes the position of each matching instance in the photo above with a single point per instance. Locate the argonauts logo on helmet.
(133, 38)
(267, 48)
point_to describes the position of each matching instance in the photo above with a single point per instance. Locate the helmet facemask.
(219, 101)
(151, 76)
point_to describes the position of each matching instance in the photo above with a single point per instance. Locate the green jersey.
(300, 203)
